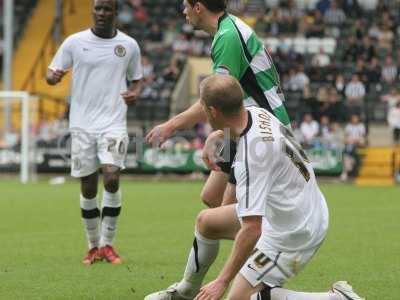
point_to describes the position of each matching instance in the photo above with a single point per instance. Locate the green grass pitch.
(42, 242)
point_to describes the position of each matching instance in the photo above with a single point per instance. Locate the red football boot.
(91, 257)
(108, 253)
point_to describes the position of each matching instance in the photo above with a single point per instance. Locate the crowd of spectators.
(328, 135)
(363, 66)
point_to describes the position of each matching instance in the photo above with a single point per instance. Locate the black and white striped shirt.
(355, 89)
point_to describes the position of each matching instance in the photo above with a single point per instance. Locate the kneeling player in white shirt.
(281, 217)
(102, 59)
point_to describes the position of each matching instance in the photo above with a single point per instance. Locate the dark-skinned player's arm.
(61, 63)
(131, 95)
(134, 76)
(54, 76)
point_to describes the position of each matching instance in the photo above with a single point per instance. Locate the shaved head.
(223, 92)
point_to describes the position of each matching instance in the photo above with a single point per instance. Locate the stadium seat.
(329, 45)
(272, 44)
(300, 45)
(313, 45)
(287, 43)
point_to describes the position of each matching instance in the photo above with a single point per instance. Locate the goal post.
(8, 98)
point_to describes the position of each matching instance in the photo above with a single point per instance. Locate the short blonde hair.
(222, 92)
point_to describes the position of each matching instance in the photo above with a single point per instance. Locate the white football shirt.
(275, 181)
(100, 70)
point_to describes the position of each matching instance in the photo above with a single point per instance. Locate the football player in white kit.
(102, 60)
(280, 219)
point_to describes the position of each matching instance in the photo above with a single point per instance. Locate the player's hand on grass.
(212, 291)
(159, 134)
(210, 155)
(130, 97)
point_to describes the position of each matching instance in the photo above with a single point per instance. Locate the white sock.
(91, 219)
(283, 294)
(201, 257)
(109, 214)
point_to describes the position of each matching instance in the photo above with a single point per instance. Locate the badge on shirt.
(120, 51)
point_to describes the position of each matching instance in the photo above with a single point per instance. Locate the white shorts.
(91, 150)
(273, 267)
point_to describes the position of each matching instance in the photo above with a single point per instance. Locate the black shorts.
(227, 153)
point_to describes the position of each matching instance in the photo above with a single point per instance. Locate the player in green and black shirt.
(236, 50)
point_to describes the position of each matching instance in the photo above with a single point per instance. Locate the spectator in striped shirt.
(389, 70)
(334, 16)
(355, 91)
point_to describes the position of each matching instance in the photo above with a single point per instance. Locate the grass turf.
(42, 242)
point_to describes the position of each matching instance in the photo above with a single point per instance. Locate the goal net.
(17, 134)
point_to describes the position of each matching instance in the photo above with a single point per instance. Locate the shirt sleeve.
(135, 69)
(253, 175)
(228, 56)
(63, 59)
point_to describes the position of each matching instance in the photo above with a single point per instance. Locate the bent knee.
(203, 223)
(210, 199)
